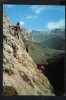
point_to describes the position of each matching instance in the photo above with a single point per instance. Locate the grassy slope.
(55, 42)
(40, 53)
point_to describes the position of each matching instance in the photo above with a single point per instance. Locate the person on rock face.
(16, 29)
(27, 48)
(42, 67)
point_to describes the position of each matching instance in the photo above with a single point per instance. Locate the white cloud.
(31, 17)
(56, 24)
(9, 6)
(38, 8)
(22, 23)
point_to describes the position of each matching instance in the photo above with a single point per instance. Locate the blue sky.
(36, 17)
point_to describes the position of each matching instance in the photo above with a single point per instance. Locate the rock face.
(20, 73)
(25, 34)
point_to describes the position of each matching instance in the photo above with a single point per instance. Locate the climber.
(15, 48)
(16, 29)
(42, 67)
(27, 48)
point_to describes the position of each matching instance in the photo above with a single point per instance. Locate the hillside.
(20, 73)
(40, 53)
(55, 42)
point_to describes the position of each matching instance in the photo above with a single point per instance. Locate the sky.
(36, 17)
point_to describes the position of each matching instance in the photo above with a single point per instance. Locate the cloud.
(31, 17)
(56, 24)
(38, 8)
(22, 23)
(9, 6)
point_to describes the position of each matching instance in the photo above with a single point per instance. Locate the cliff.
(20, 73)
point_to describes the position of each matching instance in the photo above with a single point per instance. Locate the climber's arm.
(12, 26)
(19, 29)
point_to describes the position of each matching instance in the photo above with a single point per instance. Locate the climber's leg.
(17, 34)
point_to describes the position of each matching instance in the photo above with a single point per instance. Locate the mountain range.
(54, 39)
(40, 36)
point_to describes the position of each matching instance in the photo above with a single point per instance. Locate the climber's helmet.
(18, 23)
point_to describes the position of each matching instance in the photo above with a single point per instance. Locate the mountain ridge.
(40, 36)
